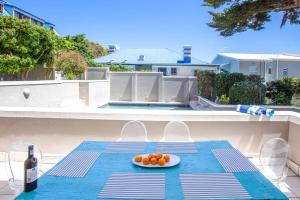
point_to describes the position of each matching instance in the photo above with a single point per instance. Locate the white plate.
(174, 160)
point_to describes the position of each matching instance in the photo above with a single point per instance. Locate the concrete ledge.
(24, 83)
(147, 102)
(149, 115)
(215, 106)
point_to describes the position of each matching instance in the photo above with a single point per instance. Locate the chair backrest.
(16, 156)
(177, 131)
(273, 158)
(134, 131)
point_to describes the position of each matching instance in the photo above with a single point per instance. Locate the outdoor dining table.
(106, 163)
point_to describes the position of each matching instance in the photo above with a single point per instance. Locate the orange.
(167, 157)
(138, 158)
(153, 161)
(146, 161)
(150, 156)
(159, 156)
(161, 162)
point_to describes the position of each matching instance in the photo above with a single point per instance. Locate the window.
(173, 71)
(285, 72)
(163, 70)
(141, 58)
(270, 66)
(253, 70)
(1, 8)
(21, 15)
(34, 21)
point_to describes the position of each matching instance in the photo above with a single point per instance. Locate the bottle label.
(31, 175)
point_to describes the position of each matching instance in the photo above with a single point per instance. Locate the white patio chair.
(273, 158)
(134, 131)
(16, 156)
(177, 131)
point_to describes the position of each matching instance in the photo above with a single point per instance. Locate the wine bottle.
(30, 171)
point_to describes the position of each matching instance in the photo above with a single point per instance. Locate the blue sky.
(159, 24)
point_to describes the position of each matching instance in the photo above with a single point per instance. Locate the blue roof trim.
(26, 12)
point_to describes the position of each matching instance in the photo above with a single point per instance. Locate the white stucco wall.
(54, 93)
(95, 73)
(293, 68)
(151, 87)
(148, 86)
(94, 93)
(121, 86)
(42, 93)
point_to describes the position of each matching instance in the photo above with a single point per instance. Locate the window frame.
(285, 72)
(269, 70)
(253, 69)
(173, 68)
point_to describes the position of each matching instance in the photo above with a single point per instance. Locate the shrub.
(296, 85)
(119, 68)
(281, 99)
(71, 63)
(280, 92)
(254, 78)
(225, 81)
(206, 84)
(247, 92)
(224, 99)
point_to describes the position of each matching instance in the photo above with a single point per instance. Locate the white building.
(169, 62)
(268, 66)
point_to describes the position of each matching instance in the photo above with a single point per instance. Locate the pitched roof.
(247, 56)
(26, 12)
(151, 56)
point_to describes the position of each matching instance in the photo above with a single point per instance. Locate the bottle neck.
(30, 151)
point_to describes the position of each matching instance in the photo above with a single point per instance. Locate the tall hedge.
(225, 81)
(280, 92)
(247, 92)
(206, 83)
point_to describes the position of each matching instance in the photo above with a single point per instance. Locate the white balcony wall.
(151, 87)
(41, 94)
(121, 86)
(94, 93)
(54, 93)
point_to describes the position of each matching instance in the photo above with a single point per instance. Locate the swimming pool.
(146, 106)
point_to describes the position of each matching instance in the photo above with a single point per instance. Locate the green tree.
(71, 63)
(235, 16)
(23, 46)
(89, 50)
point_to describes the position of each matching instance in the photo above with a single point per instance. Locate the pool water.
(147, 106)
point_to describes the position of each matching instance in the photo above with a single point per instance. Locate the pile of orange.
(153, 159)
